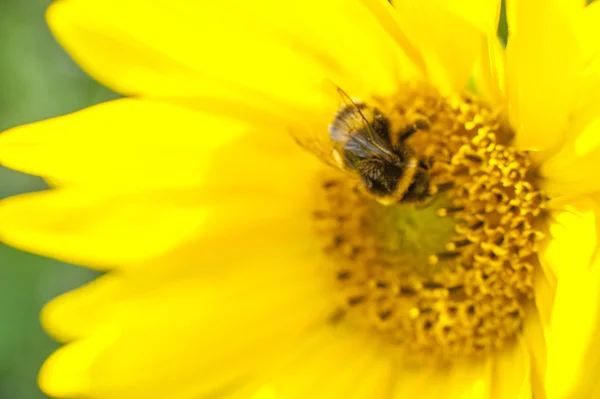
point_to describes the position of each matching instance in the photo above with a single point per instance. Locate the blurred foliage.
(37, 81)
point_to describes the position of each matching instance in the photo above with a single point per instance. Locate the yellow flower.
(239, 264)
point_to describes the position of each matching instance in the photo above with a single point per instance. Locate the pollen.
(453, 275)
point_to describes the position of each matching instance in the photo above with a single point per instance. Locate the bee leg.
(407, 133)
(412, 129)
(426, 164)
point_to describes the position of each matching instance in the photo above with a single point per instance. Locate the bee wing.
(318, 143)
(327, 142)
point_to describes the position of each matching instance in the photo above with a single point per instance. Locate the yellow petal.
(537, 326)
(192, 322)
(377, 382)
(460, 380)
(535, 339)
(574, 344)
(278, 52)
(392, 22)
(324, 363)
(85, 310)
(511, 376)
(568, 171)
(437, 26)
(69, 361)
(333, 370)
(125, 142)
(588, 32)
(573, 170)
(102, 230)
(489, 73)
(544, 285)
(574, 329)
(98, 229)
(483, 15)
(505, 375)
(573, 240)
(267, 241)
(543, 60)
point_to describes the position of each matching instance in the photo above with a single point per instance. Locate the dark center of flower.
(451, 275)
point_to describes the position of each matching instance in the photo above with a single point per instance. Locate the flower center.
(450, 275)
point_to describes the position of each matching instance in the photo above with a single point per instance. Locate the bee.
(362, 143)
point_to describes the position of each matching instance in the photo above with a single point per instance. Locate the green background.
(37, 81)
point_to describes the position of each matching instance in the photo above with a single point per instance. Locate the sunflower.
(240, 265)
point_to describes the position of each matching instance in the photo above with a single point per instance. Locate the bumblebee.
(387, 167)
(361, 142)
